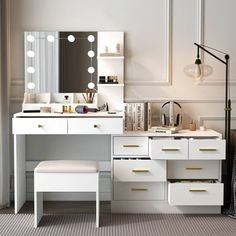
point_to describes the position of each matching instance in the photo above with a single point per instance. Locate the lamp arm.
(213, 55)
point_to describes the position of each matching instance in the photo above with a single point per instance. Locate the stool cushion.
(67, 166)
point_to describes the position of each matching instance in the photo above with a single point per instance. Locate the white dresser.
(158, 173)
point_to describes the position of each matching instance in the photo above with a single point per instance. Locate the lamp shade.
(198, 71)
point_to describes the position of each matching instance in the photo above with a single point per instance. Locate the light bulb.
(50, 38)
(91, 85)
(71, 38)
(91, 70)
(30, 38)
(30, 70)
(198, 70)
(30, 53)
(91, 53)
(31, 85)
(91, 38)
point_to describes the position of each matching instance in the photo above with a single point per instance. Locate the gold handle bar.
(170, 149)
(139, 189)
(208, 149)
(131, 145)
(193, 168)
(197, 190)
(140, 170)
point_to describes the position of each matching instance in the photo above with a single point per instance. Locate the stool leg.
(97, 203)
(38, 207)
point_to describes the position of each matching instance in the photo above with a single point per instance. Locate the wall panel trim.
(168, 51)
(183, 100)
(201, 40)
(215, 118)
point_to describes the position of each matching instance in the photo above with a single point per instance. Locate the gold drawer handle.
(193, 168)
(208, 149)
(170, 149)
(197, 190)
(139, 189)
(140, 170)
(131, 145)
(40, 126)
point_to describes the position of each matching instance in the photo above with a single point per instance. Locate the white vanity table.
(55, 124)
(150, 172)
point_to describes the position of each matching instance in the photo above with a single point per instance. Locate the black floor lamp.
(198, 70)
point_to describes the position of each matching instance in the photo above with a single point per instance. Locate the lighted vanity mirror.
(64, 62)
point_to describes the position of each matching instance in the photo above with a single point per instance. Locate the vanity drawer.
(131, 146)
(137, 191)
(95, 125)
(193, 169)
(195, 194)
(169, 149)
(207, 149)
(139, 170)
(39, 126)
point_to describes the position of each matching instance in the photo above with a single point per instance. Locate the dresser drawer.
(39, 126)
(139, 170)
(95, 125)
(195, 194)
(131, 146)
(137, 191)
(193, 169)
(209, 149)
(169, 149)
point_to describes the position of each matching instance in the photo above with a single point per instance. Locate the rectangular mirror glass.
(60, 61)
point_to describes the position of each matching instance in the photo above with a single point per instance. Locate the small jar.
(192, 126)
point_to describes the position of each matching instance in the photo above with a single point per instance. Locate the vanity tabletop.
(69, 115)
(181, 134)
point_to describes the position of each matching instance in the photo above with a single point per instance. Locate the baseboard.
(160, 207)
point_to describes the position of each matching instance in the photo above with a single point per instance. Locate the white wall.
(157, 47)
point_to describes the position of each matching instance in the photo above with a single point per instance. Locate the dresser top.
(209, 133)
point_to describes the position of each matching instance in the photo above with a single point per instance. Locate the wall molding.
(182, 100)
(168, 51)
(17, 82)
(16, 99)
(201, 40)
(201, 119)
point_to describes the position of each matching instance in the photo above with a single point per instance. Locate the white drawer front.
(195, 194)
(139, 170)
(137, 191)
(207, 149)
(169, 149)
(193, 169)
(95, 125)
(131, 146)
(39, 126)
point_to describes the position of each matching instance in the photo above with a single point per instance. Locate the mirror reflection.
(60, 61)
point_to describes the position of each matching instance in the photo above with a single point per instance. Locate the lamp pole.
(227, 118)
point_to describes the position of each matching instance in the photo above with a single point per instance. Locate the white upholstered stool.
(64, 176)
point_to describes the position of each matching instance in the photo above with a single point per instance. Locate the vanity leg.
(38, 207)
(19, 172)
(97, 202)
